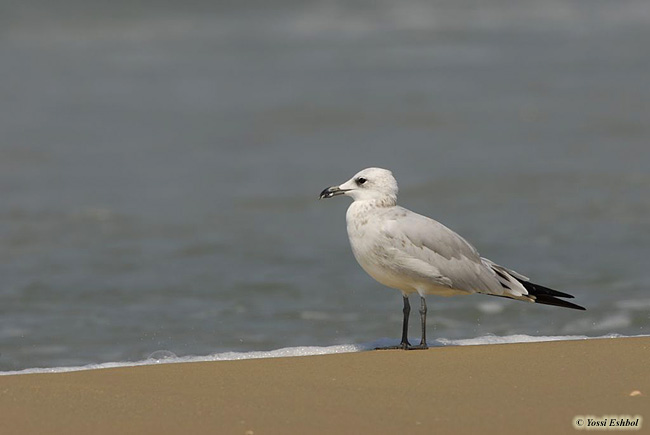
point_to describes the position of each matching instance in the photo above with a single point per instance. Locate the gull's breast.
(372, 252)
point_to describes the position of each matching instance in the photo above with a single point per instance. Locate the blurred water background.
(160, 164)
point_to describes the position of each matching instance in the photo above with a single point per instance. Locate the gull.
(416, 254)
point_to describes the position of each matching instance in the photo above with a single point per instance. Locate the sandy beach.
(509, 388)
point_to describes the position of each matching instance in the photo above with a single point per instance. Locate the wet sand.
(508, 388)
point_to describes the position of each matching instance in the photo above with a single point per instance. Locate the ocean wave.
(166, 357)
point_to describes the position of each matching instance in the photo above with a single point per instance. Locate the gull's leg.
(423, 320)
(405, 328)
(404, 344)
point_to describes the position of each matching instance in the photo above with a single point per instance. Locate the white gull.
(415, 254)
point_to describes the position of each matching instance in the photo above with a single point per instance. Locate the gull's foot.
(403, 346)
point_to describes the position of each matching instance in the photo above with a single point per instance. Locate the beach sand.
(507, 388)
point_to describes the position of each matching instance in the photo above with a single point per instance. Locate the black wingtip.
(547, 296)
(550, 300)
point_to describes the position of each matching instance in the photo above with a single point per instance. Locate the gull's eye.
(361, 180)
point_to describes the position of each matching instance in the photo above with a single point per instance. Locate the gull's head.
(370, 184)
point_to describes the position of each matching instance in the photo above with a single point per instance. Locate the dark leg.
(405, 327)
(423, 321)
(405, 324)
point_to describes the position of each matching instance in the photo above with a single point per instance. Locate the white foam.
(520, 338)
(633, 304)
(309, 351)
(490, 307)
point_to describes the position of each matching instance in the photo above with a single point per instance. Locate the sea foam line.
(308, 351)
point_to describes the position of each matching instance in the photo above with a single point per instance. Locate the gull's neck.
(361, 210)
(383, 202)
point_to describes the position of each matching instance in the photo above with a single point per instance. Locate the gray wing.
(427, 245)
